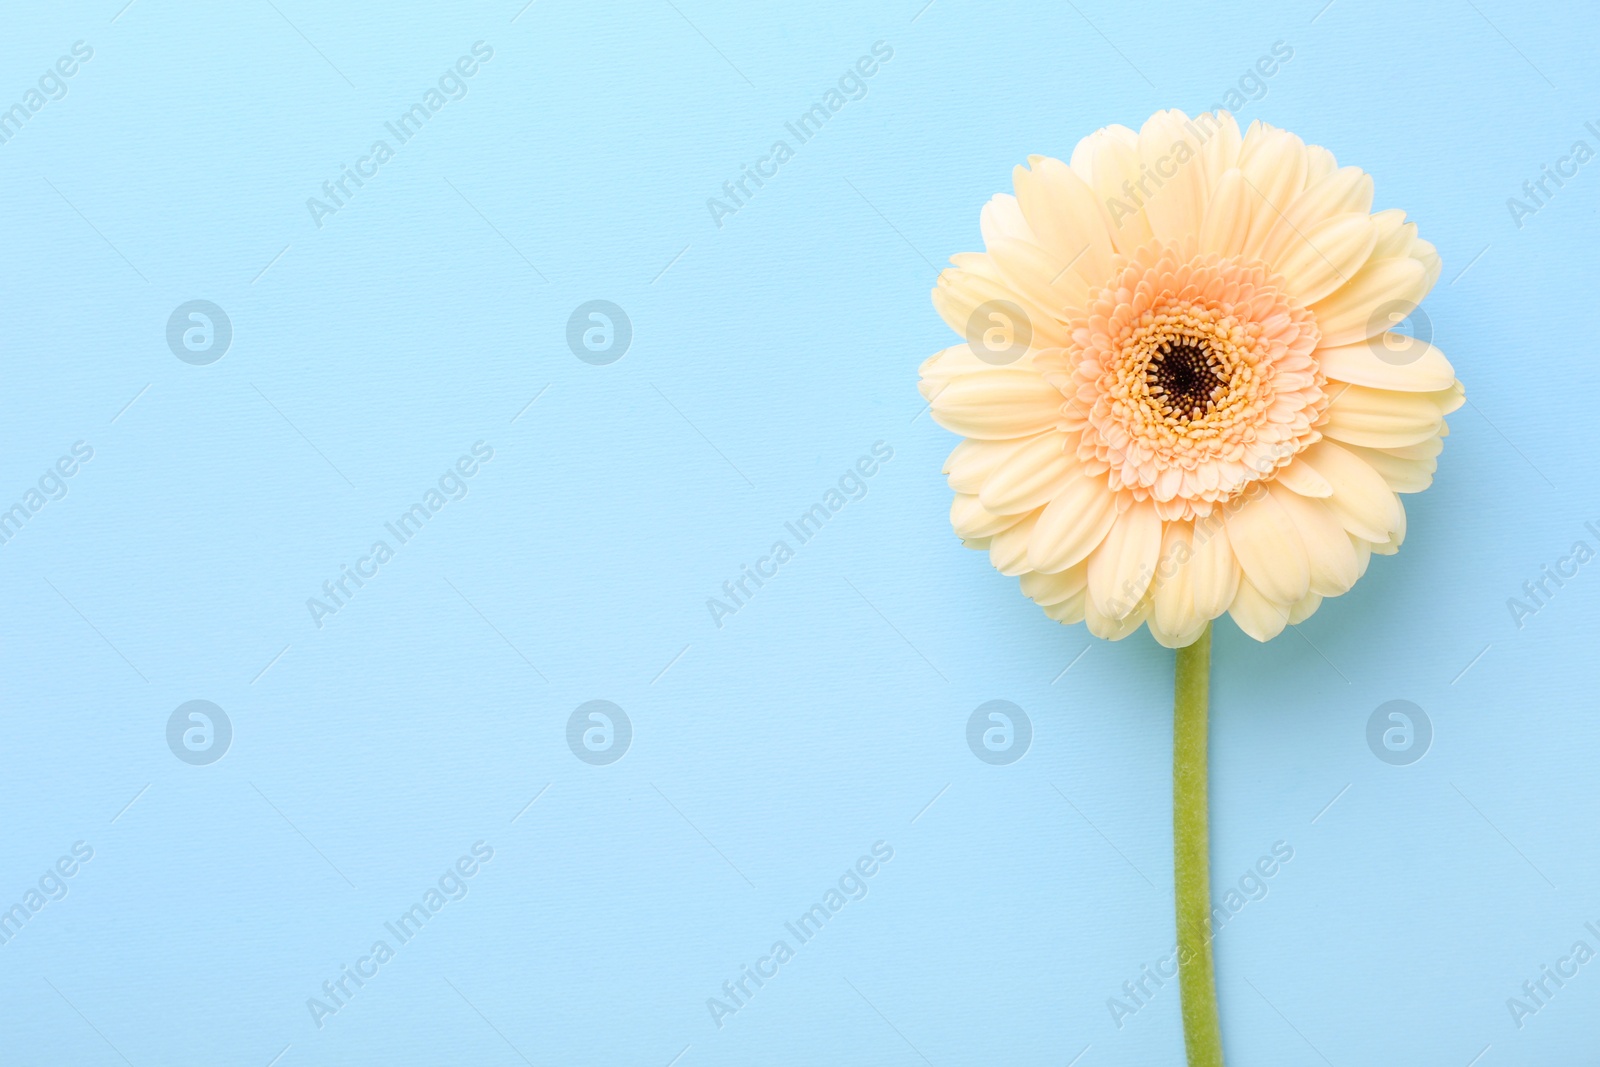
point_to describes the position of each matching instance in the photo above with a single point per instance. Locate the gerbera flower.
(1179, 389)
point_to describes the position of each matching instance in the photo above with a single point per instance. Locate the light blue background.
(826, 715)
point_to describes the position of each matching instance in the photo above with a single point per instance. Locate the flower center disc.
(1192, 377)
(1186, 377)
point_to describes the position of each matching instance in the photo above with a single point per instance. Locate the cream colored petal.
(1424, 252)
(1354, 311)
(1396, 539)
(962, 290)
(1002, 217)
(1048, 281)
(1121, 569)
(1031, 476)
(959, 290)
(1214, 571)
(1388, 361)
(1302, 611)
(1070, 610)
(1298, 476)
(1395, 234)
(1344, 191)
(1380, 418)
(1082, 159)
(1173, 620)
(1330, 555)
(1172, 638)
(939, 369)
(1171, 153)
(1048, 589)
(1072, 525)
(961, 359)
(972, 521)
(1222, 142)
(998, 404)
(949, 362)
(1384, 548)
(1115, 166)
(1402, 475)
(1226, 225)
(1448, 399)
(1083, 154)
(1428, 449)
(1109, 629)
(971, 462)
(978, 263)
(1329, 256)
(1269, 549)
(1362, 501)
(1008, 549)
(1172, 615)
(1064, 215)
(1319, 164)
(1363, 552)
(1274, 166)
(1256, 615)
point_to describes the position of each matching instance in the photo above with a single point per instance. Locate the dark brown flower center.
(1186, 377)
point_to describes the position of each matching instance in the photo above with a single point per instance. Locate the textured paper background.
(830, 712)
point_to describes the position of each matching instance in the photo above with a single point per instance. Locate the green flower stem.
(1202, 1032)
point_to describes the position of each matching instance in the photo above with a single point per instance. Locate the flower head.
(1180, 392)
